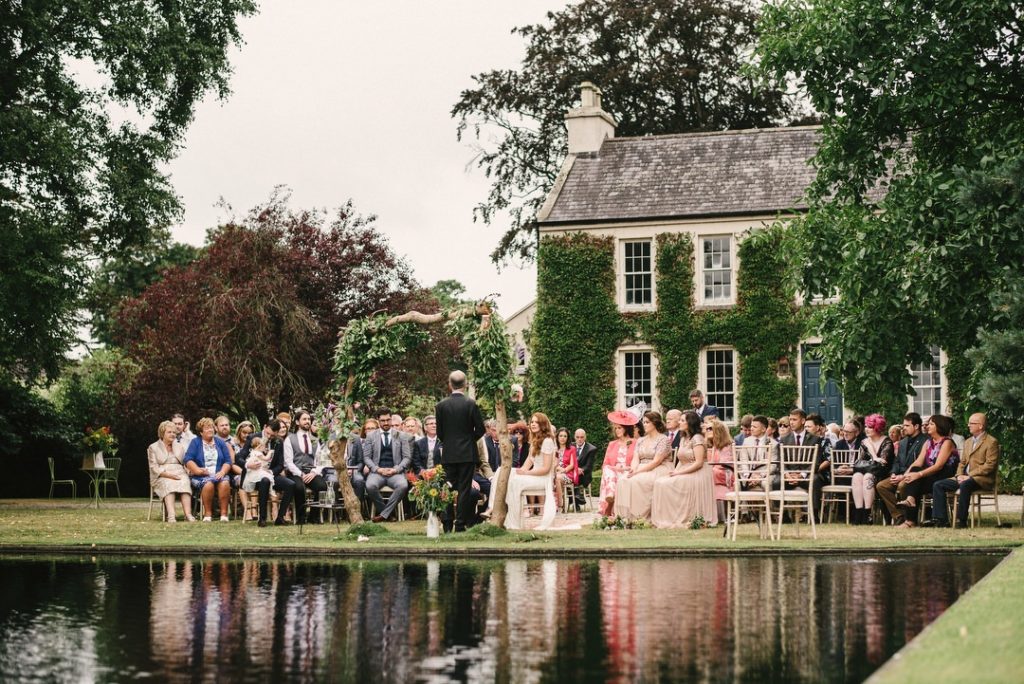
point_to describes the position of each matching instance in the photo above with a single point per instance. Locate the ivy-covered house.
(658, 273)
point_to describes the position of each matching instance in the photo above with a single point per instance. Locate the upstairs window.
(716, 262)
(639, 273)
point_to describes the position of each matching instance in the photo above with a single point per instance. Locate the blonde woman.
(535, 473)
(167, 474)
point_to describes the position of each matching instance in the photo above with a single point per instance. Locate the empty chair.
(54, 482)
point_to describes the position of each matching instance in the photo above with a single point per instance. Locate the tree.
(76, 185)
(255, 318)
(663, 66)
(449, 293)
(126, 276)
(914, 219)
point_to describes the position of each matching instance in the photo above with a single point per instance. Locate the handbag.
(863, 465)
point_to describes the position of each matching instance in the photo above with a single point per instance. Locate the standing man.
(299, 458)
(387, 455)
(702, 409)
(585, 452)
(459, 425)
(906, 453)
(977, 470)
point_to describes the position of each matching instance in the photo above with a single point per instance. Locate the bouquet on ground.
(100, 439)
(431, 491)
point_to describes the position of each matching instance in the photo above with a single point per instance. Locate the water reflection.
(751, 619)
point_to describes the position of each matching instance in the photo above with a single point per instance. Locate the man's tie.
(798, 439)
(385, 439)
(305, 439)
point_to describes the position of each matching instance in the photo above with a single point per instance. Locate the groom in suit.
(459, 426)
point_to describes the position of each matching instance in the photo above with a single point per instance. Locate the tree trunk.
(499, 508)
(339, 457)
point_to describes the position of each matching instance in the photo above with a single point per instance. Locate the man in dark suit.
(906, 453)
(702, 409)
(585, 452)
(799, 435)
(459, 425)
(426, 451)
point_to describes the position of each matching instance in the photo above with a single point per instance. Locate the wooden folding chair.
(796, 469)
(840, 490)
(751, 483)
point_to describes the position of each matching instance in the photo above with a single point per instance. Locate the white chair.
(386, 493)
(982, 497)
(752, 467)
(547, 508)
(796, 467)
(154, 499)
(73, 485)
(837, 492)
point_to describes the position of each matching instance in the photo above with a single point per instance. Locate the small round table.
(94, 475)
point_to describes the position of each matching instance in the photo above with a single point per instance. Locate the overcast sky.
(342, 99)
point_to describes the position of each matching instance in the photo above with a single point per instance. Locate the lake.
(783, 619)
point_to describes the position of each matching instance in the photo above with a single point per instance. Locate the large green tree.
(95, 96)
(664, 66)
(913, 218)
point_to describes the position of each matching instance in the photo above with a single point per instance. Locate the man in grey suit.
(459, 426)
(387, 455)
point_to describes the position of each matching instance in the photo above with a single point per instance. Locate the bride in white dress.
(535, 475)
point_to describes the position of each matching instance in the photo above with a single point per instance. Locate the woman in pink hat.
(617, 458)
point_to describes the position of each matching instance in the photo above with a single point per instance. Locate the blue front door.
(826, 400)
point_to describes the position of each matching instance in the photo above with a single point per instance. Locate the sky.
(341, 99)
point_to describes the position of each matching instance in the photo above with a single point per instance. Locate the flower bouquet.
(97, 441)
(432, 493)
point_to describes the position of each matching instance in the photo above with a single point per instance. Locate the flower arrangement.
(619, 523)
(431, 490)
(329, 422)
(100, 439)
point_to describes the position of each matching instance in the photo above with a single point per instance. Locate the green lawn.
(978, 639)
(63, 526)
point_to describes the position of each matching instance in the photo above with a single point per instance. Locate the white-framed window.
(718, 378)
(928, 383)
(638, 273)
(716, 261)
(520, 368)
(637, 376)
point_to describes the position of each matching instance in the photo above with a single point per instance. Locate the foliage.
(431, 491)
(364, 345)
(254, 320)
(367, 529)
(449, 293)
(31, 429)
(88, 392)
(126, 275)
(698, 522)
(486, 530)
(663, 66)
(619, 523)
(100, 439)
(488, 352)
(763, 326)
(573, 375)
(918, 184)
(76, 184)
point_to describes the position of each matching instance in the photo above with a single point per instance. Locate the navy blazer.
(195, 453)
(419, 454)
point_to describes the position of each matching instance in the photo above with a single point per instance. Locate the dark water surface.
(703, 619)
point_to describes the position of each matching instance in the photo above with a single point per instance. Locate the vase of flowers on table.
(96, 443)
(432, 493)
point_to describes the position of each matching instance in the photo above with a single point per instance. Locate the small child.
(257, 465)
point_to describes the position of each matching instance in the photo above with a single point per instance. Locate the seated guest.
(760, 476)
(872, 465)
(208, 462)
(567, 469)
(783, 428)
(167, 475)
(651, 459)
(237, 441)
(853, 436)
(413, 426)
(744, 430)
(257, 466)
(977, 471)
(536, 473)
(833, 433)
(585, 453)
(426, 451)
(272, 443)
(617, 457)
(937, 460)
(300, 448)
(520, 443)
(823, 467)
(773, 430)
(689, 490)
(907, 450)
(719, 445)
(387, 456)
(357, 470)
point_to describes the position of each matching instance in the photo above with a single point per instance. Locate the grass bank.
(978, 639)
(42, 526)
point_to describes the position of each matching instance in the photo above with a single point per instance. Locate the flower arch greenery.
(365, 344)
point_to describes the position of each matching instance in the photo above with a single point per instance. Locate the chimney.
(588, 124)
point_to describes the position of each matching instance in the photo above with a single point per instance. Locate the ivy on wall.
(576, 332)
(578, 329)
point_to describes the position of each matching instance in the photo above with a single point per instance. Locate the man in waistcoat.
(299, 460)
(387, 454)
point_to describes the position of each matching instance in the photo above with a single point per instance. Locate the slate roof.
(725, 173)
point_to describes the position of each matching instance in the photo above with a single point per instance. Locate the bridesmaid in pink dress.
(617, 458)
(689, 490)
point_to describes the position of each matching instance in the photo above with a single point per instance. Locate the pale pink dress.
(633, 494)
(616, 458)
(679, 499)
